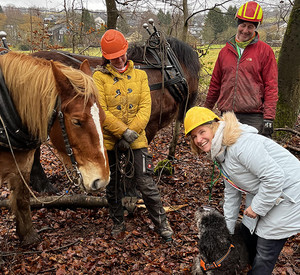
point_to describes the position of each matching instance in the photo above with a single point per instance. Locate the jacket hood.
(227, 134)
(232, 129)
(108, 69)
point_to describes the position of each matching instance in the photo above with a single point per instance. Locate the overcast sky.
(49, 4)
(100, 4)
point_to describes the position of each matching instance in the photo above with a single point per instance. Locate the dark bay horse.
(50, 99)
(165, 106)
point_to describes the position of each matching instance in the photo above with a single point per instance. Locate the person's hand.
(130, 135)
(250, 213)
(267, 128)
(123, 145)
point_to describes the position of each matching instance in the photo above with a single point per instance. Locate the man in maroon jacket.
(245, 77)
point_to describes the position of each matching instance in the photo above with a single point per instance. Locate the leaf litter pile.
(78, 240)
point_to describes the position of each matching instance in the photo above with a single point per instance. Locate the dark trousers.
(255, 120)
(142, 177)
(263, 253)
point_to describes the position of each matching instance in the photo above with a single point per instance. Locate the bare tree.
(112, 14)
(289, 72)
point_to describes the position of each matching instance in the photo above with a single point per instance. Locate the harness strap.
(18, 134)
(173, 75)
(216, 264)
(75, 173)
(167, 83)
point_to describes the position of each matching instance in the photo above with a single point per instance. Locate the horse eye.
(76, 122)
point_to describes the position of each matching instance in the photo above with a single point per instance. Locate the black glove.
(130, 135)
(267, 128)
(123, 145)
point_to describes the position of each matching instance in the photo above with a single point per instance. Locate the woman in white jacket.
(253, 164)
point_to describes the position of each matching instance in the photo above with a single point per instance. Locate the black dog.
(219, 252)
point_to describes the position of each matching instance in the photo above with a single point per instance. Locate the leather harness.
(174, 79)
(18, 134)
(216, 264)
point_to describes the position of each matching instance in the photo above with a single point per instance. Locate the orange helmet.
(251, 12)
(113, 44)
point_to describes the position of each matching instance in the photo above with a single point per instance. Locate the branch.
(40, 251)
(292, 147)
(286, 129)
(216, 5)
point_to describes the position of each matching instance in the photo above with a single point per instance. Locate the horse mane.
(32, 87)
(185, 54)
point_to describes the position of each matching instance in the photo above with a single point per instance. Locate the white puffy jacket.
(270, 176)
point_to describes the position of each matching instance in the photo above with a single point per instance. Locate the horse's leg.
(20, 202)
(38, 178)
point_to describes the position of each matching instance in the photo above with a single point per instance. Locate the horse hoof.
(31, 239)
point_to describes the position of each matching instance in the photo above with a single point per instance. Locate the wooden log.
(67, 201)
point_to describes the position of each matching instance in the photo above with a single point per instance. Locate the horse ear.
(86, 68)
(62, 82)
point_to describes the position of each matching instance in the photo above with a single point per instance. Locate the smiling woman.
(267, 173)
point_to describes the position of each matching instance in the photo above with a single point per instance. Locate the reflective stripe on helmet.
(250, 11)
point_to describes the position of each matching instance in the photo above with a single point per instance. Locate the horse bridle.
(57, 112)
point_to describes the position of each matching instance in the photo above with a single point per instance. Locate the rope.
(212, 181)
(124, 165)
(20, 173)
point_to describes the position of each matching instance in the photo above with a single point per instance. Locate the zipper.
(236, 76)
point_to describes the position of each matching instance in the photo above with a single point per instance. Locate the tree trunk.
(174, 140)
(185, 22)
(289, 72)
(112, 14)
(68, 201)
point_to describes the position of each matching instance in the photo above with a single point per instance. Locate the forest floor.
(78, 240)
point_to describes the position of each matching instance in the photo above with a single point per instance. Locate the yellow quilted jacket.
(126, 101)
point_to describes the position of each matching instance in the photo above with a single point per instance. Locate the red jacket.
(245, 85)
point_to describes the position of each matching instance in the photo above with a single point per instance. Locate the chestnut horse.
(50, 99)
(165, 105)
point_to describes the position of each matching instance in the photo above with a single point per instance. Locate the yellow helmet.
(197, 116)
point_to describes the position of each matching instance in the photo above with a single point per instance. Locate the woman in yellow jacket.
(126, 101)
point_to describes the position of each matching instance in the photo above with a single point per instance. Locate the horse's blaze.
(96, 175)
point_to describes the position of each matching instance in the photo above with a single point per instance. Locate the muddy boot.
(165, 231)
(118, 228)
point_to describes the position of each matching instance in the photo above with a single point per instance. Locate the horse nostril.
(96, 185)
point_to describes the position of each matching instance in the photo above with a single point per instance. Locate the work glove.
(130, 135)
(123, 145)
(267, 128)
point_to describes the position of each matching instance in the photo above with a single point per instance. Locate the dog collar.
(215, 264)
